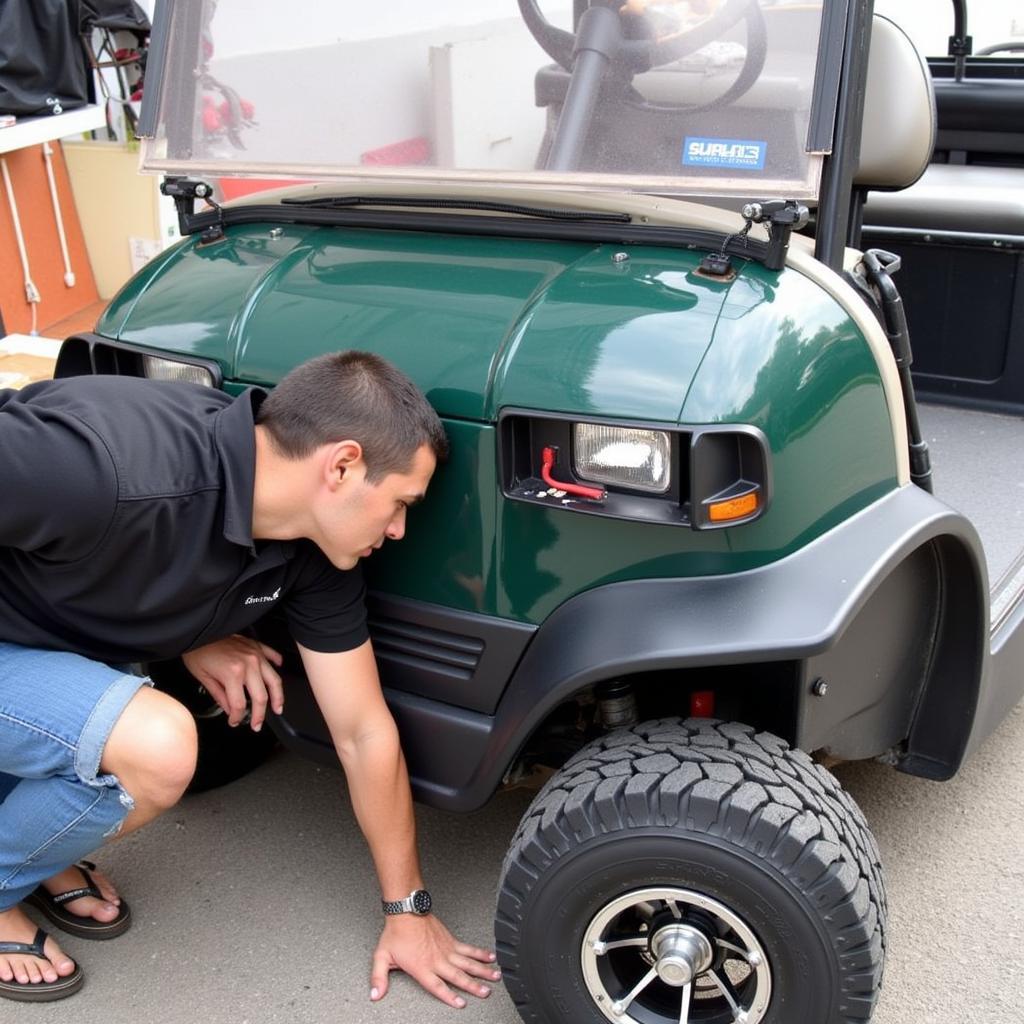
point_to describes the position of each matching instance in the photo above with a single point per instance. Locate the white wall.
(330, 81)
(254, 26)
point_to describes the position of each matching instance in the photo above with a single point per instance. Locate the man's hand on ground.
(428, 952)
(230, 668)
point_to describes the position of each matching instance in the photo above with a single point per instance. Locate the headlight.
(157, 368)
(623, 457)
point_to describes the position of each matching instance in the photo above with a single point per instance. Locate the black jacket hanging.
(43, 66)
(115, 15)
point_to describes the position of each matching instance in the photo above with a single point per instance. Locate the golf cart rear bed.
(978, 462)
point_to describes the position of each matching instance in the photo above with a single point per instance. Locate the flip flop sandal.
(74, 924)
(38, 991)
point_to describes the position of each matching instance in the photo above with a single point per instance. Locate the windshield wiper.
(428, 203)
(532, 222)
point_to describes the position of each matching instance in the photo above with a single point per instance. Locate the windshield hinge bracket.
(783, 217)
(185, 192)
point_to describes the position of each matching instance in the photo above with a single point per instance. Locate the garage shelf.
(34, 130)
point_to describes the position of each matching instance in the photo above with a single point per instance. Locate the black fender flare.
(791, 609)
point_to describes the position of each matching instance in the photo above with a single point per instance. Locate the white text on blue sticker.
(734, 154)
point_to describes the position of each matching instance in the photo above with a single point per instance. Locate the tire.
(699, 832)
(225, 753)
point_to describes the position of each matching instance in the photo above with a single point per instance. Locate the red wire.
(547, 461)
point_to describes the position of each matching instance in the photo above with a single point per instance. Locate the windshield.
(679, 96)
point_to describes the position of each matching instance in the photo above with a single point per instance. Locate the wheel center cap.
(681, 952)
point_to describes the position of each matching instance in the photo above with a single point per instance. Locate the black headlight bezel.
(709, 464)
(92, 354)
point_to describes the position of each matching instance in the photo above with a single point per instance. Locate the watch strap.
(417, 902)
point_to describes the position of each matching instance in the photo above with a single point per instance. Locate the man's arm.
(348, 692)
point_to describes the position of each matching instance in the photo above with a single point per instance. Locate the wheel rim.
(668, 955)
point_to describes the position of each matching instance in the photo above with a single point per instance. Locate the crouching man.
(143, 520)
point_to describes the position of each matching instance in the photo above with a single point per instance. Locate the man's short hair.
(355, 396)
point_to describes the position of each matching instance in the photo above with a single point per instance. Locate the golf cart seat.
(970, 199)
(898, 130)
(960, 222)
(904, 129)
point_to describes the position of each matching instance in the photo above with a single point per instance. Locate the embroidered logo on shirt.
(266, 599)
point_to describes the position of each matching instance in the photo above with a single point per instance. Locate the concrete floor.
(256, 904)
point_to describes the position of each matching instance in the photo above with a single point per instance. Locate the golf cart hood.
(725, 97)
(567, 325)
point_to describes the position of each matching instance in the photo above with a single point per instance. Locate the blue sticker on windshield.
(734, 154)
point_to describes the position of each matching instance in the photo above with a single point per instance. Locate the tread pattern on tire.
(723, 779)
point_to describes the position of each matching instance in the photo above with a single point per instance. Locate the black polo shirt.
(126, 525)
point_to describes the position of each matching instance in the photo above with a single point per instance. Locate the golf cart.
(686, 550)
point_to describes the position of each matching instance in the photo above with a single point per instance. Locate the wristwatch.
(418, 902)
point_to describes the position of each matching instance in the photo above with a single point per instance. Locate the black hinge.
(185, 192)
(874, 278)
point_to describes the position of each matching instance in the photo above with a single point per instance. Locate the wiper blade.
(427, 203)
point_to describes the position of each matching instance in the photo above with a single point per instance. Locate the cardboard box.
(24, 359)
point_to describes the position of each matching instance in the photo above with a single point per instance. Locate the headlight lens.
(623, 456)
(157, 368)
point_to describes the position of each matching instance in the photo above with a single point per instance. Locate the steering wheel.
(615, 41)
(1014, 46)
(641, 49)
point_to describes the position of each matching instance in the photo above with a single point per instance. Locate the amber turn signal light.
(733, 508)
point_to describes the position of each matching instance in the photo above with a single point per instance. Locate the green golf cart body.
(688, 485)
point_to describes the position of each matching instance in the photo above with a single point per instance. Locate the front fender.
(907, 558)
(795, 609)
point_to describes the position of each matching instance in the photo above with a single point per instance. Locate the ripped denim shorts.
(56, 712)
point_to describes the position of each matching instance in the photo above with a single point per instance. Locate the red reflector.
(702, 704)
(408, 151)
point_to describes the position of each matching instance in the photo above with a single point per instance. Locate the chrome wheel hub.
(681, 953)
(668, 955)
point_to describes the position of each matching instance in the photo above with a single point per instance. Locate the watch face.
(421, 902)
